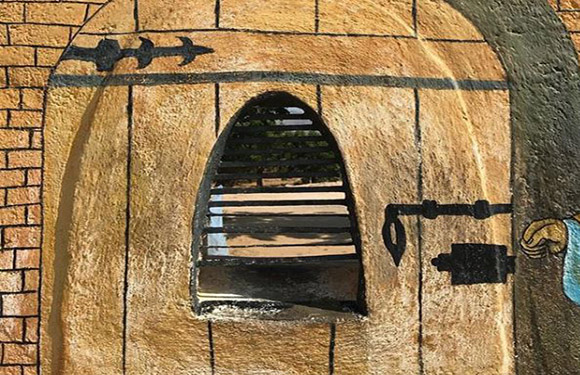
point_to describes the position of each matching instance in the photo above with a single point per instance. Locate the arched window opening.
(275, 223)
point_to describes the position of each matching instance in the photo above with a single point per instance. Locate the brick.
(6, 259)
(3, 80)
(34, 214)
(36, 142)
(25, 119)
(48, 56)
(12, 215)
(28, 258)
(11, 329)
(9, 98)
(10, 281)
(17, 237)
(31, 280)
(3, 118)
(10, 370)
(23, 195)
(28, 76)
(20, 304)
(3, 35)
(11, 178)
(11, 12)
(29, 370)
(570, 4)
(34, 176)
(11, 55)
(32, 98)
(22, 354)
(31, 325)
(39, 35)
(11, 138)
(25, 159)
(56, 13)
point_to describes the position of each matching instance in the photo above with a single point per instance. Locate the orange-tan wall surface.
(112, 305)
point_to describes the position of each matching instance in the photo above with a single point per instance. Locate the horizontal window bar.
(292, 202)
(276, 163)
(257, 176)
(245, 229)
(271, 189)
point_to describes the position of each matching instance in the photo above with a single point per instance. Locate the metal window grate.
(278, 190)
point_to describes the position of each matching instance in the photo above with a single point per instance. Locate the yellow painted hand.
(543, 236)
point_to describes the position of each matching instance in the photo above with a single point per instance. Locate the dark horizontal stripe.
(269, 116)
(261, 229)
(292, 150)
(279, 245)
(294, 139)
(154, 79)
(278, 215)
(297, 202)
(276, 128)
(257, 176)
(243, 261)
(276, 163)
(267, 189)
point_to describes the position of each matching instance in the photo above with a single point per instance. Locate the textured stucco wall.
(532, 43)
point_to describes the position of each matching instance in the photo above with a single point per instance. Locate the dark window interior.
(275, 227)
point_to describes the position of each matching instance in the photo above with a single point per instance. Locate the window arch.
(275, 221)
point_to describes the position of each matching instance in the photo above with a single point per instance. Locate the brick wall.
(33, 35)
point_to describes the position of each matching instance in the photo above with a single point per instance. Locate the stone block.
(56, 13)
(39, 35)
(17, 237)
(25, 159)
(268, 15)
(11, 139)
(20, 305)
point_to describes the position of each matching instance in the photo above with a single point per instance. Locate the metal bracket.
(476, 264)
(481, 210)
(108, 52)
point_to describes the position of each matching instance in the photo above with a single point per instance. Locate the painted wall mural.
(289, 187)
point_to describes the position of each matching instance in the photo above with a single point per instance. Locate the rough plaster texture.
(86, 200)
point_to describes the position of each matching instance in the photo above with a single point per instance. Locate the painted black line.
(155, 79)
(127, 225)
(446, 40)
(319, 100)
(253, 31)
(331, 346)
(316, 16)
(559, 5)
(414, 17)
(419, 146)
(217, 13)
(217, 109)
(8, 35)
(136, 14)
(211, 347)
